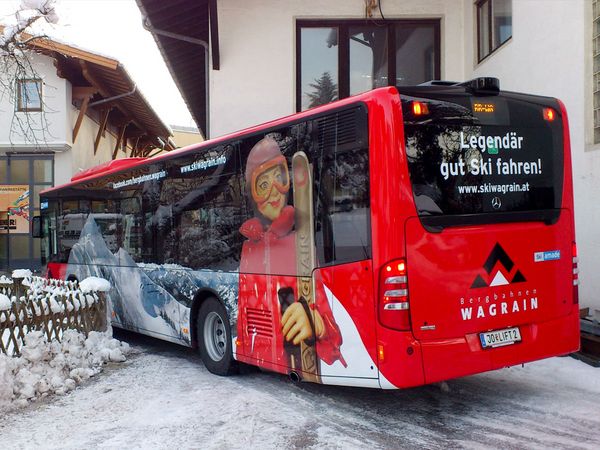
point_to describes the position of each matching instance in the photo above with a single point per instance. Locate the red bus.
(399, 237)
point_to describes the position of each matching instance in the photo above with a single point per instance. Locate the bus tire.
(214, 338)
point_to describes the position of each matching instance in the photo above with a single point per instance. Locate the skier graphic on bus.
(283, 323)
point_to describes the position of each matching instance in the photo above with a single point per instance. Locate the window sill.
(486, 57)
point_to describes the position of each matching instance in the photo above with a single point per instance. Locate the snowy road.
(163, 397)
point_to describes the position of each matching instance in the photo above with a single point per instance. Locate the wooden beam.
(148, 155)
(83, 92)
(134, 147)
(101, 129)
(63, 70)
(134, 137)
(119, 140)
(80, 117)
(86, 71)
(45, 45)
(88, 74)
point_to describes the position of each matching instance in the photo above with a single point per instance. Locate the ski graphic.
(305, 255)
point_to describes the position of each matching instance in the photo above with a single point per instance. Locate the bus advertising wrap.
(389, 240)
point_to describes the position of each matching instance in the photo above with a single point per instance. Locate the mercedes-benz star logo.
(496, 203)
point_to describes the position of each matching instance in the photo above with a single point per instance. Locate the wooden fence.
(50, 306)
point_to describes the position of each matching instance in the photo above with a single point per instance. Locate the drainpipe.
(116, 97)
(191, 40)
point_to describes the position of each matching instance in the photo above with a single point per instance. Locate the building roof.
(109, 88)
(181, 30)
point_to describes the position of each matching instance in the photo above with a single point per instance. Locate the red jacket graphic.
(272, 250)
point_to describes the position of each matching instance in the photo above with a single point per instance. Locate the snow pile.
(55, 367)
(21, 273)
(5, 303)
(94, 284)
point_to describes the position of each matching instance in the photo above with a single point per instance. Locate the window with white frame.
(494, 25)
(29, 95)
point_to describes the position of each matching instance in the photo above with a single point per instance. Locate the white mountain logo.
(499, 269)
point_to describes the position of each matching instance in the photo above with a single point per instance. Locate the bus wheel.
(214, 334)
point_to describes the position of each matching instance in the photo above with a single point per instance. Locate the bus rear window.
(484, 160)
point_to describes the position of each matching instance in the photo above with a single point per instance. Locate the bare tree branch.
(17, 64)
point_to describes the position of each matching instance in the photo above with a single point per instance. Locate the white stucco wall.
(257, 79)
(53, 120)
(546, 56)
(57, 121)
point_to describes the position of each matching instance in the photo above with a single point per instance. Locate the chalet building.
(242, 63)
(70, 110)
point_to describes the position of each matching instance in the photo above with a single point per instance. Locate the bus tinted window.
(49, 230)
(201, 209)
(483, 156)
(131, 226)
(337, 148)
(342, 207)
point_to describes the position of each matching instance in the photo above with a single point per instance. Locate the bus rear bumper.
(451, 358)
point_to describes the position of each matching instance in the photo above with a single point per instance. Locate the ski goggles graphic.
(273, 173)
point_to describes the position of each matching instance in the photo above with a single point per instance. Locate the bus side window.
(201, 210)
(49, 233)
(69, 224)
(130, 229)
(340, 157)
(342, 208)
(208, 224)
(105, 215)
(165, 222)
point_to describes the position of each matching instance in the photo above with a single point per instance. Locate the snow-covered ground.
(163, 397)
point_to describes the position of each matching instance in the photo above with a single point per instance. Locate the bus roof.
(488, 86)
(127, 163)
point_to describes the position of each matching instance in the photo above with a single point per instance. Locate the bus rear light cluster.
(420, 108)
(549, 114)
(394, 307)
(575, 275)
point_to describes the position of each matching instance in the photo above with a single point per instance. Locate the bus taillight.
(575, 275)
(420, 108)
(394, 307)
(549, 114)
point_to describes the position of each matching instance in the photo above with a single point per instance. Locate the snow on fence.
(30, 303)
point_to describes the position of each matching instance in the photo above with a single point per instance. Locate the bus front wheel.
(214, 333)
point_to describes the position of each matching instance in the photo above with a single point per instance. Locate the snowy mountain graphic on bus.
(183, 284)
(154, 298)
(136, 300)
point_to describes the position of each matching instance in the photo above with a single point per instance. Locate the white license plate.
(499, 338)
